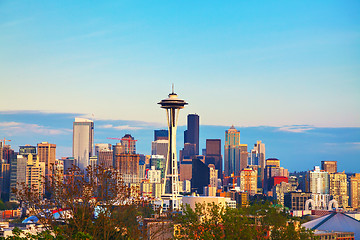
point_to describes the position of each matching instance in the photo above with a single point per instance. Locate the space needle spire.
(170, 191)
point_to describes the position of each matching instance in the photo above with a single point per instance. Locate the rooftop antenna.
(173, 88)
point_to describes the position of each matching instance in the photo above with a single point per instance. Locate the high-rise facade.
(26, 169)
(213, 155)
(329, 166)
(355, 191)
(47, 155)
(161, 134)
(318, 181)
(248, 181)
(339, 188)
(191, 135)
(83, 141)
(160, 147)
(259, 151)
(231, 151)
(129, 143)
(27, 149)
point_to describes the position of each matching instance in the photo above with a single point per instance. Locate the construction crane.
(114, 138)
(4, 141)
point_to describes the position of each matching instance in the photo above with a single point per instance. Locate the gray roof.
(335, 221)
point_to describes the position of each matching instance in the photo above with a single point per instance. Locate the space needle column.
(172, 104)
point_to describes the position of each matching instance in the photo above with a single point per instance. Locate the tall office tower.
(17, 174)
(128, 166)
(160, 147)
(200, 176)
(318, 181)
(329, 166)
(248, 181)
(130, 144)
(47, 155)
(188, 152)
(338, 188)
(1, 151)
(83, 141)
(213, 155)
(355, 191)
(8, 153)
(213, 175)
(231, 151)
(161, 134)
(101, 146)
(273, 162)
(186, 170)
(105, 158)
(4, 180)
(191, 135)
(259, 149)
(243, 156)
(26, 150)
(172, 105)
(28, 170)
(68, 163)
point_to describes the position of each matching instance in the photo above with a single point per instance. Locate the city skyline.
(272, 64)
(299, 148)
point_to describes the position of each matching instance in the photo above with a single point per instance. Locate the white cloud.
(296, 128)
(15, 128)
(120, 127)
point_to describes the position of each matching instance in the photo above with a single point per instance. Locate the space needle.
(170, 190)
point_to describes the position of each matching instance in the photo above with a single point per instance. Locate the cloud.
(296, 128)
(120, 127)
(345, 145)
(16, 128)
(9, 124)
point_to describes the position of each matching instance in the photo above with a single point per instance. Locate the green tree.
(258, 221)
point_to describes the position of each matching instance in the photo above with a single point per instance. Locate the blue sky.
(247, 63)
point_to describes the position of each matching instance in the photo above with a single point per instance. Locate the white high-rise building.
(83, 141)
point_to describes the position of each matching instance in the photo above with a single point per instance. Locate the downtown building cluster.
(241, 174)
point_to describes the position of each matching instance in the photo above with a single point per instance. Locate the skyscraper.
(355, 191)
(259, 149)
(191, 135)
(231, 151)
(129, 143)
(213, 155)
(26, 150)
(172, 104)
(161, 134)
(339, 188)
(47, 155)
(160, 147)
(83, 141)
(329, 166)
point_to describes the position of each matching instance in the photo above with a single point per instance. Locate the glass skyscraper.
(83, 141)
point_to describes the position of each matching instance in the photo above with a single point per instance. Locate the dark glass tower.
(191, 135)
(213, 154)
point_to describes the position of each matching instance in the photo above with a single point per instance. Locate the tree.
(92, 204)
(258, 221)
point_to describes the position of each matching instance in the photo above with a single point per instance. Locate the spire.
(173, 88)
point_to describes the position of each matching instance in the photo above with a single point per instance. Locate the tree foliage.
(93, 204)
(258, 221)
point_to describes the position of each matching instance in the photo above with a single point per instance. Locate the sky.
(252, 64)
